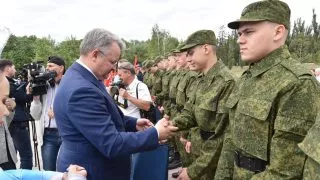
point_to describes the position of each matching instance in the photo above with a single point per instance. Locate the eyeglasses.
(114, 62)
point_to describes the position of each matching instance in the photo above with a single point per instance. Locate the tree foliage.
(303, 43)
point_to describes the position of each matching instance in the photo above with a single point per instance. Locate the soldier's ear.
(206, 48)
(279, 32)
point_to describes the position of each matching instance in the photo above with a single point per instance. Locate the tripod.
(34, 138)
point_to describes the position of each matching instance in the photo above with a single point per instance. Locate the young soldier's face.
(196, 58)
(255, 40)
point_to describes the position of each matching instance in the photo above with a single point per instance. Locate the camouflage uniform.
(156, 88)
(166, 90)
(147, 79)
(206, 110)
(173, 92)
(185, 90)
(310, 146)
(272, 107)
(269, 115)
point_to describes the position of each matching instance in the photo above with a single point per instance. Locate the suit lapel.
(90, 77)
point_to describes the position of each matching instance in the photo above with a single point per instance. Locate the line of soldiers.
(264, 125)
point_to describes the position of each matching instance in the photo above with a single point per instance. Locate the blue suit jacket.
(95, 134)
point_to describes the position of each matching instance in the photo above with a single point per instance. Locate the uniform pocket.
(256, 108)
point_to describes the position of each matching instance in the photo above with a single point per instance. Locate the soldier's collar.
(269, 61)
(214, 70)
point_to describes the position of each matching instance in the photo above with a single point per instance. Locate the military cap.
(178, 48)
(199, 38)
(149, 64)
(158, 59)
(268, 10)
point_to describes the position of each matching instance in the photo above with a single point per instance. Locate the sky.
(129, 19)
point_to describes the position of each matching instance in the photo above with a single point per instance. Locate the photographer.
(41, 109)
(19, 127)
(130, 88)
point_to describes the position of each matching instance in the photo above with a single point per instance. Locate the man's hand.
(167, 117)
(1, 122)
(143, 124)
(183, 140)
(10, 103)
(153, 98)
(36, 98)
(123, 93)
(183, 174)
(50, 113)
(75, 169)
(188, 147)
(165, 129)
(28, 89)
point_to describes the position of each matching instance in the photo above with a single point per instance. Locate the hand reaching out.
(143, 124)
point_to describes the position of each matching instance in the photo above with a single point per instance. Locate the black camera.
(38, 78)
(114, 88)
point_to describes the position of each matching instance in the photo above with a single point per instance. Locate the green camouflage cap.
(178, 48)
(199, 38)
(144, 63)
(268, 10)
(149, 63)
(158, 59)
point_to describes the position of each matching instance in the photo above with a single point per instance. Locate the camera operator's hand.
(50, 113)
(165, 129)
(123, 93)
(36, 98)
(28, 89)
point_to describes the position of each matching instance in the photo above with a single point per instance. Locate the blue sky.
(130, 19)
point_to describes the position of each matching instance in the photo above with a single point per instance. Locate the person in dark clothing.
(19, 127)
(139, 74)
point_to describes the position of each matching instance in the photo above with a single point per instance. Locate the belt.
(249, 163)
(51, 129)
(205, 135)
(20, 123)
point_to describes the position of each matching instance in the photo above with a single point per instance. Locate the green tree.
(69, 50)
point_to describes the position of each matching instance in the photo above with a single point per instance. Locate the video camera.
(38, 78)
(114, 88)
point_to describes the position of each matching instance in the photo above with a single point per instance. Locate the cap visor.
(236, 24)
(187, 46)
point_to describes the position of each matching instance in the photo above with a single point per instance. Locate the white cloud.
(129, 19)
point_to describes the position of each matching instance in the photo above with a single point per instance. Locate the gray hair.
(99, 39)
(127, 66)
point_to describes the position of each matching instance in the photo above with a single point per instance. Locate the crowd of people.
(97, 116)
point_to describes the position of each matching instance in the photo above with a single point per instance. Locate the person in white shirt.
(135, 96)
(42, 109)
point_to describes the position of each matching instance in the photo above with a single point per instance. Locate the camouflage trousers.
(186, 158)
(311, 170)
(200, 147)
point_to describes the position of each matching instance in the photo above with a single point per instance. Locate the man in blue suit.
(95, 134)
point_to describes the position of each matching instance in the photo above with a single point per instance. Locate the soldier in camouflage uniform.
(275, 101)
(311, 147)
(206, 107)
(147, 79)
(156, 88)
(171, 72)
(184, 91)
